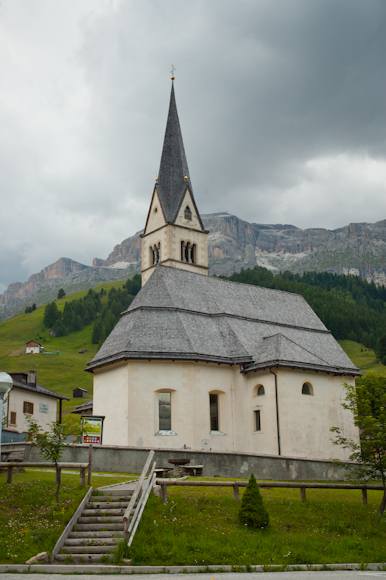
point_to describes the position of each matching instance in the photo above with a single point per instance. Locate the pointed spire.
(173, 177)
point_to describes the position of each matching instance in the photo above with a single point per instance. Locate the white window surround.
(165, 433)
(216, 433)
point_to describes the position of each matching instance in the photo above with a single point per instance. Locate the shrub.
(252, 511)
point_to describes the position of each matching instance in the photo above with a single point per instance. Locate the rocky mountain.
(358, 249)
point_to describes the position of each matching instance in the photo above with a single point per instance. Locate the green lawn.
(200, 527)
(30, 520)
(364, 358)
(61, 372)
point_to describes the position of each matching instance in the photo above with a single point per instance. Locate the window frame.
(257, 421)
(25, 407)
(310, 388)
(11, 413)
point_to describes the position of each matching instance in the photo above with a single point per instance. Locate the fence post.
(236, 495)
(302, 493)
(364, 495)
(89, 463)
(164, 493)
(82, 476)
(9, 474)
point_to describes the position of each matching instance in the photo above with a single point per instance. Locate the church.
(209, 364)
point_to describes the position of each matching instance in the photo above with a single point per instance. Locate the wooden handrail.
(137, 493)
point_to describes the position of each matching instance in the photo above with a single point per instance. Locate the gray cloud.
(281, 106)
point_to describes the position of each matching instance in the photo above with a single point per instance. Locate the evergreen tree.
(96, 332)
(33, 306)
(252, 511)
(61, 294)
(51, 315)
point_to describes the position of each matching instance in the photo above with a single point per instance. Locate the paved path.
(304, 575)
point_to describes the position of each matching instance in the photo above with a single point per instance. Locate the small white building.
(33, 347)
(212, 364)
(29, 399)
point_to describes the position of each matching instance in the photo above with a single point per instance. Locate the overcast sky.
(281, 104)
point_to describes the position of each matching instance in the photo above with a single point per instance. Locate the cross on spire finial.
(172, 72)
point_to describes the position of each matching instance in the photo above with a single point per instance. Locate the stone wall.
(132, 459)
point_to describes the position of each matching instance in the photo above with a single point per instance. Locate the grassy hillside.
(364, 358)
(61, 372)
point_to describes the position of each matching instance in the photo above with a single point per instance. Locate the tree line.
(350, 307)
(84, 311)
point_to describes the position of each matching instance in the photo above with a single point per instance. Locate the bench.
(163, 471)
(193, 470)
(13, 456)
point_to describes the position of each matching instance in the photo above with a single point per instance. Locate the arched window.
(307, 389)
(155, 253)
(188, 213)
(260, 390)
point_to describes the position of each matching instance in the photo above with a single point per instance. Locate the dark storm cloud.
(281, 106)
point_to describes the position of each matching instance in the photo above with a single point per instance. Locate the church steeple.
(173, 213)
(173, 177)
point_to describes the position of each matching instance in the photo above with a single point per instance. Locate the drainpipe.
(277, 413)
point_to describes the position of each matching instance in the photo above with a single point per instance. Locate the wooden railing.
(269, 484)
(81, 466)
(134, 510)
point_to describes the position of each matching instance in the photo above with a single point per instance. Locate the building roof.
(187, 316)
(87, 406)
(171, 184)
(39, 389)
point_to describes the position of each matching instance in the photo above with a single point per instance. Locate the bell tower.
(174, 233)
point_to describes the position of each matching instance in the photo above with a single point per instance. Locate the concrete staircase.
(98, 529)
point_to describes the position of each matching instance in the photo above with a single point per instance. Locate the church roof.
(187, 316)
(171, 184)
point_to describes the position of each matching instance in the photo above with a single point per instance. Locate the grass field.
(30, 520)
(199, 527)
(61, 372)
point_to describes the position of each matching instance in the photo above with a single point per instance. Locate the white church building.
(211, 364)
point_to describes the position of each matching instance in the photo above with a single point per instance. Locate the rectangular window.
(165, 412)
(213, 405)
(257, 421)
(12, 420)
(28, 408)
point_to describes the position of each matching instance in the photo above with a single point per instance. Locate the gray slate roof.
(187, 316)
(39, 389)
(87, 406)
(171, 184)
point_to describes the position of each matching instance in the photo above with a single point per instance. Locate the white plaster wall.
(111, 400)
(16, 404)
(128, 396)
(32, 350)
(305, 420)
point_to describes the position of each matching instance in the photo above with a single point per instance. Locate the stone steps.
(88, 549)
(95, 534)
(98, 529)
(91, 541)
(84, 558)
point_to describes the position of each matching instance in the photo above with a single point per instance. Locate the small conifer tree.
(252, 511)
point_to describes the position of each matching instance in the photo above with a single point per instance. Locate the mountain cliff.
(358, 249)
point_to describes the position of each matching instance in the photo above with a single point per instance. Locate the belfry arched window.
(155, 254)
(188, 213)
(307, 389)
(188, 252)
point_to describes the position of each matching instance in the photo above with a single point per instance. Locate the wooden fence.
(268, 484)
(81, 466)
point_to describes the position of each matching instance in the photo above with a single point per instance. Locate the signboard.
(43, 408)
(92, 428)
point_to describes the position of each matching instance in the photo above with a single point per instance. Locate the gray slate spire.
(171, 184)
